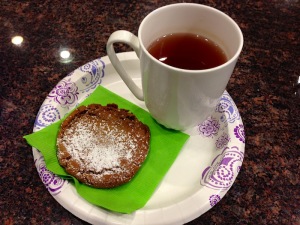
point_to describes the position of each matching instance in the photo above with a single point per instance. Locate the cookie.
(102, 146)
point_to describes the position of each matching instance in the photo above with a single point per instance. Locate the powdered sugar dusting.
(95, 153)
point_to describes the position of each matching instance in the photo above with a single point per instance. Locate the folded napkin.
(165, 144)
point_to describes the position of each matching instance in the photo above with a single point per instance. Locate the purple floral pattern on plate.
(94, 72)
(47, 115)
(222, 141)
(65, 93)
(71, 73)
(228, 108)
(220, 175)
(239, 132)
(209, 128)
(52, 182)
(214, 199)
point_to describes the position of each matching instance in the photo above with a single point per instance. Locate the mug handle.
(130, 39)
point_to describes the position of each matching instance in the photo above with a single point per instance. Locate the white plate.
(204, 171)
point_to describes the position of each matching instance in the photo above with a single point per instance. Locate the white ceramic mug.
(178, 98)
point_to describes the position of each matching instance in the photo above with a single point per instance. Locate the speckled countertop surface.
(265, 86)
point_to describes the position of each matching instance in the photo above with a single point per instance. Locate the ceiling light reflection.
(163, 59)
(297, 92)
(17, 40)
(65, 55)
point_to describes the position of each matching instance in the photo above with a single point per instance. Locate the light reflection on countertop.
(17, 40)
(65, 55)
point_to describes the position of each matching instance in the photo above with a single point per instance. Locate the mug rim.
(230, 61)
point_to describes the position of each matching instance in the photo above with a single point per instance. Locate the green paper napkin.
(165, 144)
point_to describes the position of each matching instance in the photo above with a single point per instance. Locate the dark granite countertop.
(265, 86)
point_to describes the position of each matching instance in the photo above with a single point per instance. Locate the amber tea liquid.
(187, 51)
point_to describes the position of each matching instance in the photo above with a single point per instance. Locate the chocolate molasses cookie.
(102, 146)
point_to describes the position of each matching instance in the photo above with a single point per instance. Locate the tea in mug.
(187, 51)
